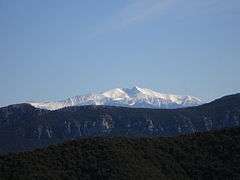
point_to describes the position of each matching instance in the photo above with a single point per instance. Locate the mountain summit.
(135, 97)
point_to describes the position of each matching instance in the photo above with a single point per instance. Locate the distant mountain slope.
(208, 155)
(24, 127)
(18, 112)
(135, 97)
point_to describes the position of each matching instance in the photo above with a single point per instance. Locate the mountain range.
(24, 127)
(135, 97)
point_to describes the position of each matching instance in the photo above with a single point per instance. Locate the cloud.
(141, 11)
(138, 11)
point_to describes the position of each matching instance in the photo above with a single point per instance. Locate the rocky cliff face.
(25, 127)
(144, 126)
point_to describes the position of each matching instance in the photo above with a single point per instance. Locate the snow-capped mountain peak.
(116, 94)
(134, 97)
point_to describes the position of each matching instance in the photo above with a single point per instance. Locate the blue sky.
(54, 49)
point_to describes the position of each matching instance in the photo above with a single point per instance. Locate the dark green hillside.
(208, 155)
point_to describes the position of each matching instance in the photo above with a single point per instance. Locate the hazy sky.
(54, 49)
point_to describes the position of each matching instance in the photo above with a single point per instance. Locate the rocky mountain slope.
(23, 127)
(135, 97)
(208, 155)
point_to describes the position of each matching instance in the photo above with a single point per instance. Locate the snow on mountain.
(134, 97)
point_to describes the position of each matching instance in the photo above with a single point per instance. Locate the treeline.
(208, 155)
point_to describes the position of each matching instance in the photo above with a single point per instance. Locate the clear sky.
(54, 49)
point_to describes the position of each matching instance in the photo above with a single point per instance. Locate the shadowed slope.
(208, 155)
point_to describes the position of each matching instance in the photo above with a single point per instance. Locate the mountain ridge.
(24, 127)
(135, 97)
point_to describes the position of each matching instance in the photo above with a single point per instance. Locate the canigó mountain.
(135, 97)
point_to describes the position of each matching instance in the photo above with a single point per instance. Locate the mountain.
(135, 97)
(208, 155)
(23, 127)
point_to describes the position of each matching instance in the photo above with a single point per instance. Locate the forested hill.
(206, 155)
(23, 127)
